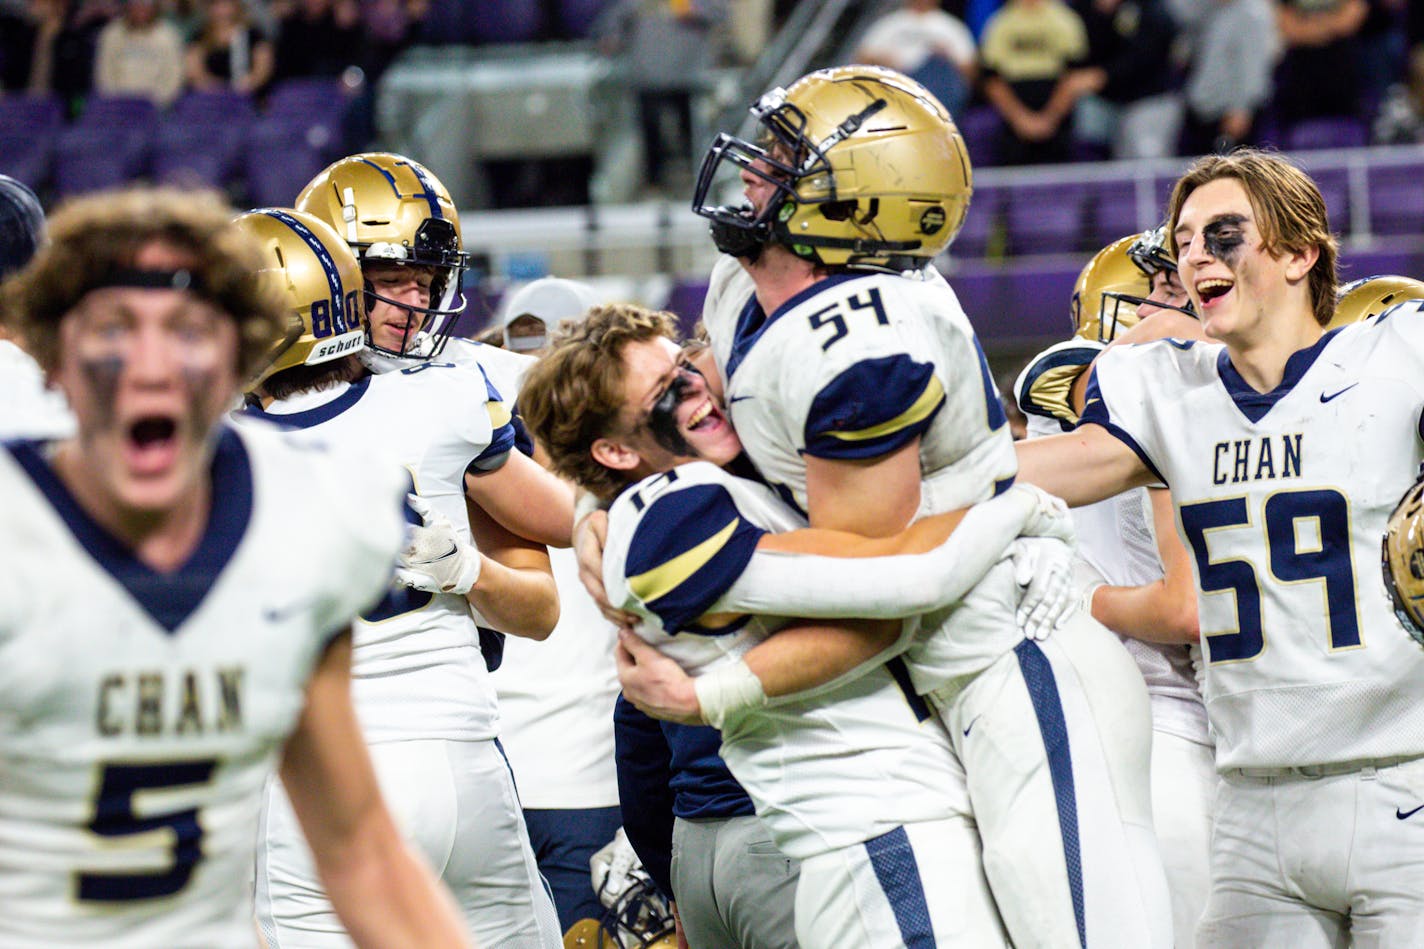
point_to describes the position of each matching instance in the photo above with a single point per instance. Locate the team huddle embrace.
(891, 678)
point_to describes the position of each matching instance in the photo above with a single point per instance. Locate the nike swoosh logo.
(1405, 815)
(970, 725)
(739, 398)
(276, 614)
(1335, 395)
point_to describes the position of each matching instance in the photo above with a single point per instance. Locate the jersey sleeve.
(503, 434)
(1045, 386)
(873, 407)
(687, 550)
(1110, 401)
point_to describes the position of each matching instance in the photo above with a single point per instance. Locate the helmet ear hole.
(838, 210)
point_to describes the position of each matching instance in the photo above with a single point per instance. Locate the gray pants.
(734, 889)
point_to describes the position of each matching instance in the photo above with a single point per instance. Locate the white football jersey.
(1116, 538)
(29, 408)
(676, 542)
(854, 367)
(141, 713)
(417, 667)
(1282, 499)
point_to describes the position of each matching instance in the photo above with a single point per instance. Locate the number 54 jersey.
(1282, 499)
(855, 367)
(142, 712)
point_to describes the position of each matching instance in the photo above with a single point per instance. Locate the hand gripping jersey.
(1117, 538)
(676, 542)
(417, 670)
(1282, 499)
(141, 713)
(855, 367)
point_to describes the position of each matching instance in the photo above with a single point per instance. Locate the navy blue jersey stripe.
(169, 598)
(898, 872)
(1053, 726)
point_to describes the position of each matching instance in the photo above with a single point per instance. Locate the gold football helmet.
(391, 210)
(321, 281)
(1403, 555)
(869, 171)
(1370, 296)
(638, 918)
(1116, 282)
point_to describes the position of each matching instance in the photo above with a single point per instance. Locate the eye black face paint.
(103, 374)
(662, 420)
(1223, 238)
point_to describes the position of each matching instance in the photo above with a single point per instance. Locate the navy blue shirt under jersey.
(666, 770)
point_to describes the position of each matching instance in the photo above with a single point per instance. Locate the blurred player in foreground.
(176, 609)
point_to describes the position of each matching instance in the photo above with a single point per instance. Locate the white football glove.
(1043, 569)
(436, 558)
(1086, 580)
(1049, 517)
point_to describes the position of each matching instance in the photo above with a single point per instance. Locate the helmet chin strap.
(739, 241)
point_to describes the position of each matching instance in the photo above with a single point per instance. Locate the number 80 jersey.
(855, 367)
(141, 713)
(1282, 499)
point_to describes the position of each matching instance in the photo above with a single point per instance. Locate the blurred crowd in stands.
(1062, 80)
(1030, 81)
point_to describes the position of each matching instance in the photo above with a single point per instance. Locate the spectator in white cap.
(536, 308)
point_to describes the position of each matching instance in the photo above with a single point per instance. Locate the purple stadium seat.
(282, 156)
(983, 225)
(306, 95)
(686, 299)
(1039, 300)
(1046, 219)
(980, 126)
(578, 16)
(29, 126)
(90, 158)
(1335, 189)
(1330, 132)
(200, 139)
(1113, 211)
(1397, 200)
(504, 21)
(119, 112)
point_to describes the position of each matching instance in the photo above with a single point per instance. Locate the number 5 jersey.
(142, 712)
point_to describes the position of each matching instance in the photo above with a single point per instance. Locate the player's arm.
(515, 591)
(384, 894)
(1082, 466)
(526, 499)
(1164, 611)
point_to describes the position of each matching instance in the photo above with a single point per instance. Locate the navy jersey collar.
(169, 598)
(312, 417)
(753, 321)
(1254, 405)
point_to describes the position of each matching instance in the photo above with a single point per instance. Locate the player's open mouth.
(151, 443)
(1213, 289)
(704, 417)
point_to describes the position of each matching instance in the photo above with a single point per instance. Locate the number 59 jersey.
(1282, 499)
(141, 712)
(854, 367)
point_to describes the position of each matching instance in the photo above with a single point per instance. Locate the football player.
(1135, 575)
(403, 227)
(856, 383)
(856, 780)
(177, 603)
(419, 682)
(1286, 448)
(28, 407)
